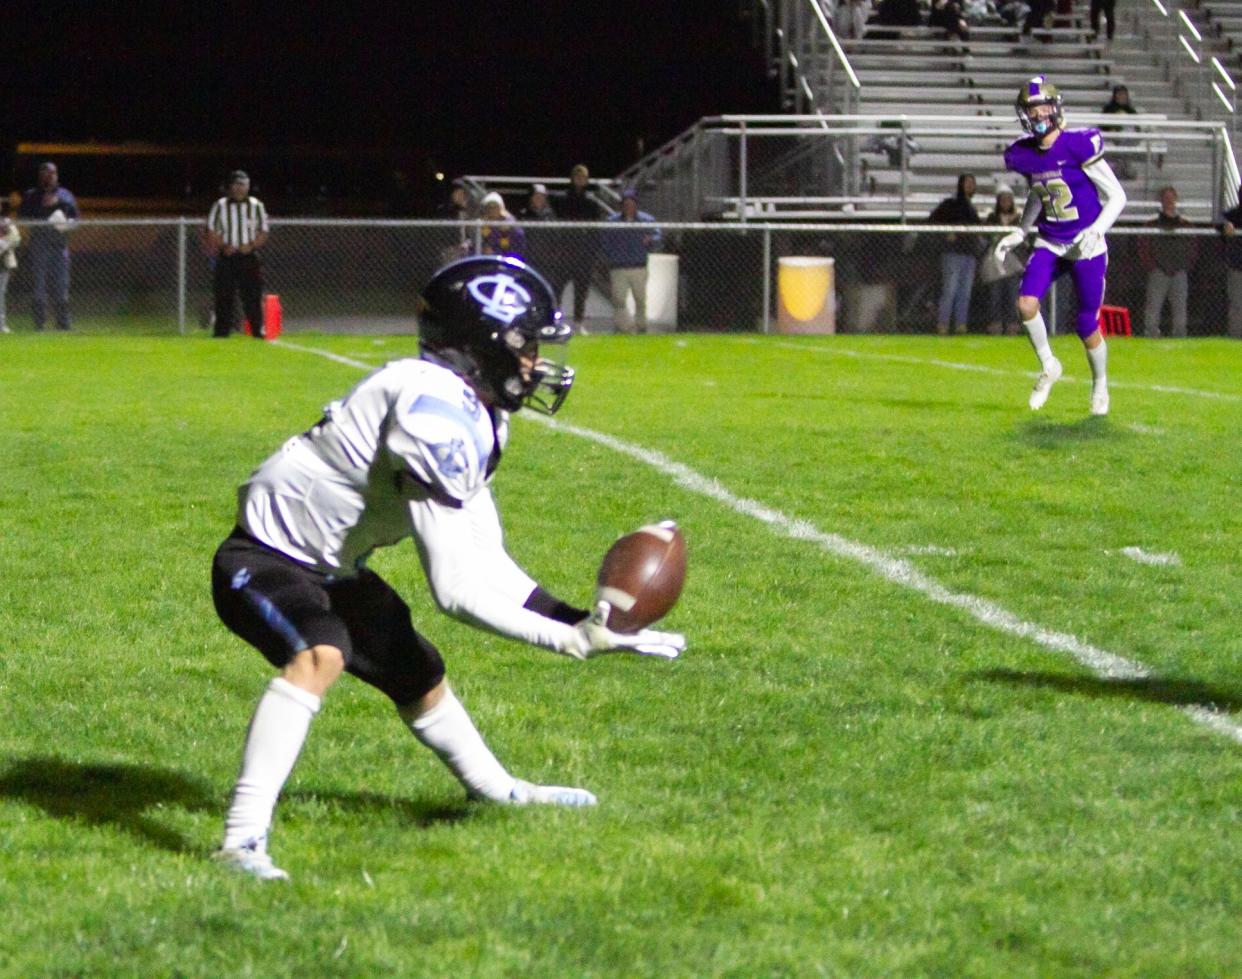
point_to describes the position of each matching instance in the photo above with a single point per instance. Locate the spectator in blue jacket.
(625, 250)
(56, 210)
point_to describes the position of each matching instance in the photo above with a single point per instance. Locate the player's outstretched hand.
(593, 637)
(1008, 243)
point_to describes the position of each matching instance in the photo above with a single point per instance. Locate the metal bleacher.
(880, 127)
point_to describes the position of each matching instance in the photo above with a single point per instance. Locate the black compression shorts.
(282, 607)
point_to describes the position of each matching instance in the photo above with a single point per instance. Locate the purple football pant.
(1089, 275)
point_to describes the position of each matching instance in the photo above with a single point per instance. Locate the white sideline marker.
(1104, 664)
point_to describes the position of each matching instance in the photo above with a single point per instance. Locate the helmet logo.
(500, 296)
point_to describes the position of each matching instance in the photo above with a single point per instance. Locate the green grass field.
(894, 746)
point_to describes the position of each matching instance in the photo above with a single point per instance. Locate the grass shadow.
(117, 794)
(129, 797)
(1044, 434)
(1176, 693)
(409, 811)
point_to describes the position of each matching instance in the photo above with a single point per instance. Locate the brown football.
(642, 576)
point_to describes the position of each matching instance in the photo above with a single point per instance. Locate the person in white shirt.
(409, 452)
(10, 238)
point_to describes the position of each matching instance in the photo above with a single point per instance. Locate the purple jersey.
(1071, 201)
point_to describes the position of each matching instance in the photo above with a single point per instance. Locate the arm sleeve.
(213, 219)
(1030, 212)
(473, 578)
(262, 225)
(1112, 194)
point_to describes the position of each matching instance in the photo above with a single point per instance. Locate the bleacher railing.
(1190, 59)
(757, 167)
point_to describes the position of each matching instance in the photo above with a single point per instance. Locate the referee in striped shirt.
(236, 229)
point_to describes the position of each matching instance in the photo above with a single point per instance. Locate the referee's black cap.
(237, 175)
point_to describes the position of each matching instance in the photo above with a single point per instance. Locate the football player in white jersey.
(409, 452)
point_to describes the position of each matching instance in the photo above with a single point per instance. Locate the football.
(642, 576)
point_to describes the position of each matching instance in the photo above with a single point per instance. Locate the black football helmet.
(482, 315)
(1036, 92)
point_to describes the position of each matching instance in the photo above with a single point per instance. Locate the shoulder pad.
(441, 434)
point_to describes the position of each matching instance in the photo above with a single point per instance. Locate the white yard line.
(893, 569)
(982, 369)
(1147, 557)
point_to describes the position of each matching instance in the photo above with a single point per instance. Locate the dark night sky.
(496, 87)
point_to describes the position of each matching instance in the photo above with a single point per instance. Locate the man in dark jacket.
(55, 212)
(1231, 222)
(1167, 259)
(960, 257)
(577, 204)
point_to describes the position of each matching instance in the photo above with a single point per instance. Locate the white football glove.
(1087, 243)
(1007, 243)
(592, 637)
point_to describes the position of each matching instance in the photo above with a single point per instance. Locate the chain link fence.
(362, 276)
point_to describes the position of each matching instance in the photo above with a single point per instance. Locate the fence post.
(767, 279)
(741, 166)
(181, 276)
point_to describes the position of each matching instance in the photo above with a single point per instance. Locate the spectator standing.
(578, 205)
(542, 248)
(456, 208)
(960, 258)
(500, 234)
(1167, 259)
(1231, 222)
(10, 238)
(1105, 7)
(625, 251)
(1119, 104)
(1039, 15)
(237, 228)
(57, 211)
(1003, 290)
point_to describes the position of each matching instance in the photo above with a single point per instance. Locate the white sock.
(1097, 357)
(448, 731)
(277, 732)
(1038, 332)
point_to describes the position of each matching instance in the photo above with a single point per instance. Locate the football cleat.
(526, 794)
(1099, 402)
(250, 858)
(1043, 384)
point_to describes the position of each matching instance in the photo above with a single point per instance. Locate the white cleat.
(526, 794)
(1099, 402)
(1043, 384)
(249, 859)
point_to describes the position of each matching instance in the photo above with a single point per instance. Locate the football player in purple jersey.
(1075, 198)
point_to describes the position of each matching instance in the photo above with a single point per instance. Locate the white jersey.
(409, 452)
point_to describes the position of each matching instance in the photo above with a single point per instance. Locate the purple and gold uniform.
(1071, 203)
(1071, 200)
